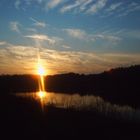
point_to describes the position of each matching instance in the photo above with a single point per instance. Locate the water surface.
(88, 102)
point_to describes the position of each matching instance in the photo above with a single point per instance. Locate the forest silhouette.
(23, 118)
(119, 85)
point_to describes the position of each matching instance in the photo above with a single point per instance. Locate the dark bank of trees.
(18, 83)
(120, 85)
(22, 118)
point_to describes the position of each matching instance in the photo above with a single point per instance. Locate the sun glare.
(41, 70)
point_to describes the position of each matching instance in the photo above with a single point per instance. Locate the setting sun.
(40, 67)
(41, 70)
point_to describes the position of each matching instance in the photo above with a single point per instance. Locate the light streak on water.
(41, 72)
(89, 103)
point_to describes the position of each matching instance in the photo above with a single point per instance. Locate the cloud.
(85, 4)
(70, 6)
(132, 7)
(123, 59)
(83, 35)
(31, 29)
(76, 33)
(108, 8)
(15, 59)
(100, 4)
(22, 59)
(66, 46)
(57, 39)
(114, 6)
(41, 37)
(131, 34)
(119, 10)
(14, 26)
(81, 5)
(53, 3)
(106, 37)
(2, 43)
(17, 4)
(78, 5)
(38, 23)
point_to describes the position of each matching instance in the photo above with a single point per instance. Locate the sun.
(40, 70)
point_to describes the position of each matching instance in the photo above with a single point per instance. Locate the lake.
(87, 102)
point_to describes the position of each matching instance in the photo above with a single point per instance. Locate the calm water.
(91, 103)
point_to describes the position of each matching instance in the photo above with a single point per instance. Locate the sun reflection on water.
(42, 98)
(91, 103)
(41, 72)
(41, 94)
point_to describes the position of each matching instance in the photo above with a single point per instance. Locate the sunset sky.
(81, 36)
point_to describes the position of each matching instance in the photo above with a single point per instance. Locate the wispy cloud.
(132, 7)
(100, 4)
(66, 46)
(114, 6)
(2, 43)
(104, 7)
(17, 4)
(131, 34)
(106, 37)
(83, 35)
(24, 57)
(53, 3)
(77, 5)
(31, 29)
(38, 23)
(41, 38)
(85, 5)
(18, 56)
(14, 26)
(70, 6)
(76, 33)
(21, 4)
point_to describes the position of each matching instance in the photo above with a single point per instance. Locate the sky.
(81, 36)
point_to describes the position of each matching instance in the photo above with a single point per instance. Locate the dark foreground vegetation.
(23, 119)
(120, 85)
